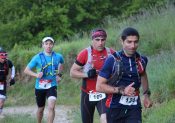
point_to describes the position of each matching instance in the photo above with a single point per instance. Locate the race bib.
(127, 100)
(1, 86)
(44, 84)
(96, 96)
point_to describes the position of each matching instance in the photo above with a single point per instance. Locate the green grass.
(18, 119)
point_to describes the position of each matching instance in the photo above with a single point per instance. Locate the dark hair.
(129, 31)
(98, 32)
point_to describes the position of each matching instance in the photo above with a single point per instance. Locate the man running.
(121, 77)
(87, 65)
(5, 66)
(48, 66)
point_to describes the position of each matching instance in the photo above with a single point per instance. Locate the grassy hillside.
(156, 28)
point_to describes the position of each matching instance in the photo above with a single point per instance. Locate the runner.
(5, 65)
(87, 65)
(128, 70)
(48, 66)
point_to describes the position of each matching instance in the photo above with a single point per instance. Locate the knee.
(103, 118)
(40, 110)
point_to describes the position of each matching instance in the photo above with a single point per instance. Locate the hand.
(92, 73)
(39, 75)
(12, 82)
(58, 78)
(147, 101)
(129, 90)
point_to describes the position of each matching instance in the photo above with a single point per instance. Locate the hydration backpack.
(118, 68)
(45, 64)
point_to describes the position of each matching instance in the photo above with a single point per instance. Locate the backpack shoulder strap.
(43, 61)
(117, 69)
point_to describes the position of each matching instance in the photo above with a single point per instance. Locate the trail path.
(63, 114)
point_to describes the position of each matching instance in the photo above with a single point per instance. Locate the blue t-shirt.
(49, 66)
(130, 74)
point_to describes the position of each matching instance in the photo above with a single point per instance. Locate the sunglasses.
(3, 54)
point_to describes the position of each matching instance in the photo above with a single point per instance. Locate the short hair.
(129, 31)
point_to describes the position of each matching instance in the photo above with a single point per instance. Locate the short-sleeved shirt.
(130, 75)
(98, 59)
(51, 66)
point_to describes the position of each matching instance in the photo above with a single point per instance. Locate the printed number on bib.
(96, 96)
(126, 100)
(1, 86)
(44, 84)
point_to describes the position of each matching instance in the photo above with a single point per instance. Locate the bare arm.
(77, 72)
(145, 86)
(31, 73)
(102, 86)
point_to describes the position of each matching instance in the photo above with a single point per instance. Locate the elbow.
(98, 88)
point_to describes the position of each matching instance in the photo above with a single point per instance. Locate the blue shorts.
(121, 115)
(42, 94)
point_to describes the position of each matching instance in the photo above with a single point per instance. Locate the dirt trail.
(62, 114)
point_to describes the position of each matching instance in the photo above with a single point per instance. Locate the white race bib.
(44, 84)
(1, 86)
(96, 96)
(127, 100)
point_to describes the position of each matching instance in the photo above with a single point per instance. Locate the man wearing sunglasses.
(5, 65)
(87, 66)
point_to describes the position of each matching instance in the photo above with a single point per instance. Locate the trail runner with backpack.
(5, 66)
(49, 66)
(121, 77)
(86, 67)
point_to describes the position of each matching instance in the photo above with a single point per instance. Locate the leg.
(40, 100)
(87, 108)
(1, 104)
(52, 96)
(102, 110)
(134, 116)
(40, 112)
(51, 108)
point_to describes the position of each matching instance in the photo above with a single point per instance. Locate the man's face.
(98, 43)
(130, 45)
(48, 46)
(2, 60)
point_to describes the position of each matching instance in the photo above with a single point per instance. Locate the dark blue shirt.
(130, 74)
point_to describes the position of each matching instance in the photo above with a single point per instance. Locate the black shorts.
(88, 108)
(119, 115)
(42, 94)
(3, 92)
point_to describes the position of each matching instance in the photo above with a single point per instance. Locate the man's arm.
(145, 86)
(102, 86)
(76, 71)
(31, 73)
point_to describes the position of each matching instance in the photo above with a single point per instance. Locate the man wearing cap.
(5, 65)
(48, 66)
(87, 66)
(121, 78)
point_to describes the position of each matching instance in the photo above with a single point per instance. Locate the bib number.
(96, 96)
(126, 100)
(44, 84)
(1, 86)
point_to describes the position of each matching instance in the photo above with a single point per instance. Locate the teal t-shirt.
(49, 66)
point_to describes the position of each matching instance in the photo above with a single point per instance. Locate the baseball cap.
(48, 38)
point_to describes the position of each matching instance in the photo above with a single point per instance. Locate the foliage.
(27, 22)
